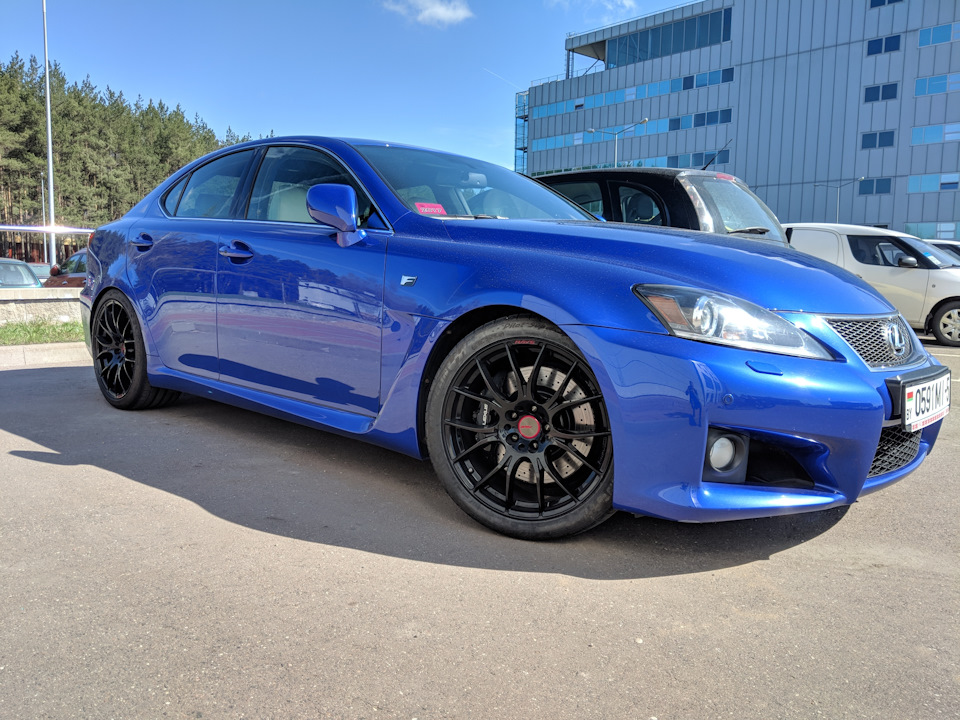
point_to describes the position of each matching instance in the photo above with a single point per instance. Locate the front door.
(298, 315)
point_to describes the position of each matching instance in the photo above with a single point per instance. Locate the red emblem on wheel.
(528, 427)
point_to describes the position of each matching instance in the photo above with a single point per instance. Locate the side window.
(285, 175)
(876, 250)
(585, 194)
(638, 206)
(173, 197)
(81, 263)
(209, 192)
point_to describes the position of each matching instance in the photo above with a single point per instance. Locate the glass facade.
(687, 160)
(933, 183)
(650, 90)
(939, 34)
(937, 84)
(932, 230)
(653, 127)
(931, 134)
(663, 40)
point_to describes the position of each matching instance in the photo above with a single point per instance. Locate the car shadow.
(281, 478)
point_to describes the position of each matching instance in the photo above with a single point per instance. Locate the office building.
(830, 110)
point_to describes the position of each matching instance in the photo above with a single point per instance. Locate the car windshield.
(938, 257)
(17, 275)
(733, 207)
(441, 185)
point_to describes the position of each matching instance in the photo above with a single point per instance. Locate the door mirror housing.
(336, 205)
(54, 271)
(907, 261)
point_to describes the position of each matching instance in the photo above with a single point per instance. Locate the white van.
(922, 281)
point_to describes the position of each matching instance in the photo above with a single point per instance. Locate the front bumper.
(816, 426)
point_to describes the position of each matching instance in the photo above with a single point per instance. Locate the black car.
(692, 199)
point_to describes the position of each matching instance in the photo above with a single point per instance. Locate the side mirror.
(54, 271)
(336, 206)
(907, 261)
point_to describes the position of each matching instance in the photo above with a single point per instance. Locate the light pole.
(616, 136)
(52, 258)
(837, 188)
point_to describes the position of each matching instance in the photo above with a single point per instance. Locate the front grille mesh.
(868, 339)
(896, 449)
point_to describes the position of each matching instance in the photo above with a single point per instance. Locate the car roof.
(12, 261)
(635, 172)
(849, 229)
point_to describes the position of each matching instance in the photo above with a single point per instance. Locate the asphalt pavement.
(201, 561)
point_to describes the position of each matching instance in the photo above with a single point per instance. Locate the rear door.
(172, 262)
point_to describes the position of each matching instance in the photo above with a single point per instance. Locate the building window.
(875, 186)
(933, 183)
(872, 140)
(931, 134)
(940, 34)
(876, 93)
(932, 230)
(881, 3)
(938, 84)
(891, 43)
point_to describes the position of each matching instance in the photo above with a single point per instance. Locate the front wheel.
(119, 356)
(946, 324)
(518, 432)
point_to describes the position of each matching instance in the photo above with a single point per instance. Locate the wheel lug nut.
(533, 446)
(514, 438)
(533, 409)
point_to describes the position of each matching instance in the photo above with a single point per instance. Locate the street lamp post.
(837, 188)
(616, 136)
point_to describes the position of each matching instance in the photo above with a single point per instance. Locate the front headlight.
(716, 318)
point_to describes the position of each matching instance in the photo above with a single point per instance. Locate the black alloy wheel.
(119, 357)
(519, 433)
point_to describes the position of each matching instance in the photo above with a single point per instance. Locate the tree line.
(107, 152)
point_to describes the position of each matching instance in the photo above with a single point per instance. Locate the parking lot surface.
(201, 561)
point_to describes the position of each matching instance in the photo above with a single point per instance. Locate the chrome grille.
(868, 338)
(896, 449)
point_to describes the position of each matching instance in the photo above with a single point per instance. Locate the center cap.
(528, 427)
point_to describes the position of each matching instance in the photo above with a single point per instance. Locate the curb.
(18, 356)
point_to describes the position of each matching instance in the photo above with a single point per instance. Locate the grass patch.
(40, 331)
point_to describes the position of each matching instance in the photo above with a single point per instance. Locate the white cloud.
(440, 13)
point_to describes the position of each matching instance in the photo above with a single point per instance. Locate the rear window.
(732, 207)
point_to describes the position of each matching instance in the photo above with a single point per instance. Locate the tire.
(120, 359)
(518, 432)
(946, 324)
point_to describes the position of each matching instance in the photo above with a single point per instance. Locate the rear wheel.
(518, 432)
(119, 357)
(946, 324)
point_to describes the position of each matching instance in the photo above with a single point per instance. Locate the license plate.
(925, 402)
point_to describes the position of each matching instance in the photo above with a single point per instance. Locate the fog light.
(723, 452)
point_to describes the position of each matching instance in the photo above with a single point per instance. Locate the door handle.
(236, 251)
(143, 242)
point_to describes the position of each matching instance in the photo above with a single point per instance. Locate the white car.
(922, 281)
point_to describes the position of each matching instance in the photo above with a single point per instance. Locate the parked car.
(16, 274)
(73, 273)
(951, 247)
(553, 368)
(666, 197)
(922, 281)
(41, 270)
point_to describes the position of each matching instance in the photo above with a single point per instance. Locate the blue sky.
(437, 73)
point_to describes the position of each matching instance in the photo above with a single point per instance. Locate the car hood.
(776, 278)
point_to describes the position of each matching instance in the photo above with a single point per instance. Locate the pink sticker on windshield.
(430, 209)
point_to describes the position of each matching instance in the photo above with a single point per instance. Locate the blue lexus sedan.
(553, 368)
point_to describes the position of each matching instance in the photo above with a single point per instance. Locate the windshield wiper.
(750, 231)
